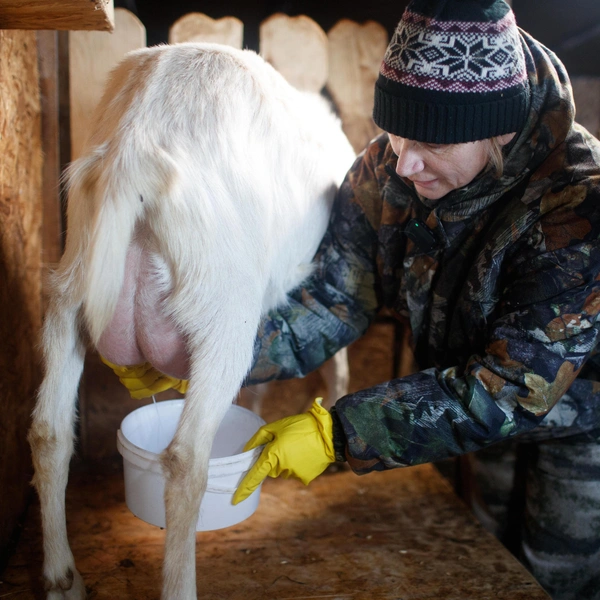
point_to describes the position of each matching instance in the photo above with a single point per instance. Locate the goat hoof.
(70, 588)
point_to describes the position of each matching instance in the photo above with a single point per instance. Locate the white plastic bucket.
(147, 431)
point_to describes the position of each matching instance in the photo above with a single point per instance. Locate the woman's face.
(437, 169)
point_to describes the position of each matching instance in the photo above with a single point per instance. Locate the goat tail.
(121, 192)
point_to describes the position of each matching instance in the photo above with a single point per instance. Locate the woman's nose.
(410, 161)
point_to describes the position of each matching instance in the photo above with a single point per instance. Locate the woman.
(477, 217)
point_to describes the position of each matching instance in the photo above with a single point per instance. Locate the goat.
(199, 203)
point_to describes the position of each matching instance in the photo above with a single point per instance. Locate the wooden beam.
(70, 15)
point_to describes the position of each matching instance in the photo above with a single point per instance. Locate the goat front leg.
(252, 397)
(51, 440)
(336, 373)
(218, 365)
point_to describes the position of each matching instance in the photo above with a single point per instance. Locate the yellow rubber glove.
(300, 446)
(144, 381)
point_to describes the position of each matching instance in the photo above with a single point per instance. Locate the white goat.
(200, 201)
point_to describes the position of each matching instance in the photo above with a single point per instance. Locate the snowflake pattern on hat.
(454, 56)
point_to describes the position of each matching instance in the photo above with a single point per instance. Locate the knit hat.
(453, 72)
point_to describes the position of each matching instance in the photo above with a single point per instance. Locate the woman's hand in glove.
(300, 446)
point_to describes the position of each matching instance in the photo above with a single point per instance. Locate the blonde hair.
(496, 157)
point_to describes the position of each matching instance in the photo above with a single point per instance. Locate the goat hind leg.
(185, 463)
(51, 441)
(219, 363)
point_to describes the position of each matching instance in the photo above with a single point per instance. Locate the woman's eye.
(435, 147)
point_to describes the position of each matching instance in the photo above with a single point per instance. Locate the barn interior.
(407, 533)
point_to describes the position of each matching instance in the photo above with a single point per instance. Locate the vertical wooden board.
(355, 54)
(92, 55)
(52, 219)
(21, 209)
(64, 100)
(297, 47)
(198, 27)
(586, 91)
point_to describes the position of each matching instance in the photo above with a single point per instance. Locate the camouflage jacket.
(503, 310)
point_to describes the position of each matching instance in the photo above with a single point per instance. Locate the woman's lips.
(428, 183)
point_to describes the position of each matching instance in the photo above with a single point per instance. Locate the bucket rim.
(123, 442)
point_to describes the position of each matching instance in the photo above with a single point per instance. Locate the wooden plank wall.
(20, 267)
(344, 61)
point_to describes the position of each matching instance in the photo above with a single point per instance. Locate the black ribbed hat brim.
(448, 118)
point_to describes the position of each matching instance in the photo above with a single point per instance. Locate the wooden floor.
(401, 535)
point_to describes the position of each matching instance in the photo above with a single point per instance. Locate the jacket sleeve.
(547, 329)
(336, 304)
